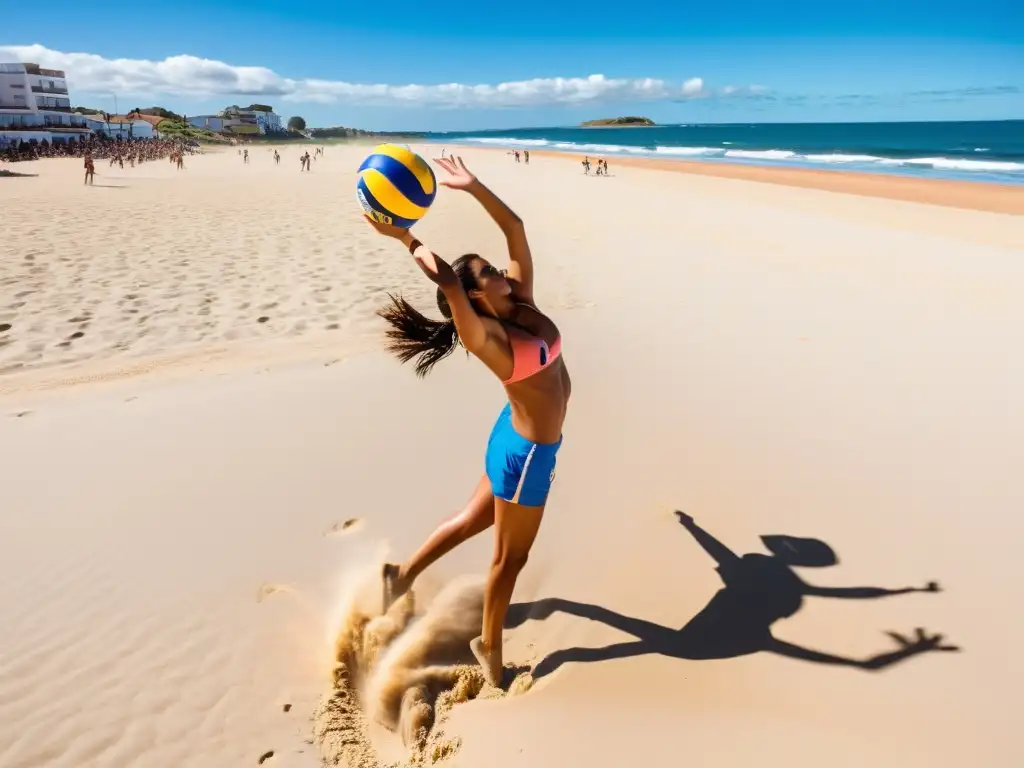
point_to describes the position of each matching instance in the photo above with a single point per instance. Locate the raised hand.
(684, 519)
(459, 176)
(388, 230)
(921, 642)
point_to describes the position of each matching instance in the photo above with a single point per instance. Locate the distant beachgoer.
(586, 165)
(526, 156)
(492, 314)
(90, 170)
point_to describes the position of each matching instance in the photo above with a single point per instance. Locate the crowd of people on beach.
(117, 151)
(134, 152)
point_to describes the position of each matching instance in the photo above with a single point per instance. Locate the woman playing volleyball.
(493, 315)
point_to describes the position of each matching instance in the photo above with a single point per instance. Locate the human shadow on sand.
(759, 590)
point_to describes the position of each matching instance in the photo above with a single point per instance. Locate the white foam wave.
(955, 164)
(602, 148)
(768, 154)
(502, 141)
(689, 151)
(771, 155)
(841, 158)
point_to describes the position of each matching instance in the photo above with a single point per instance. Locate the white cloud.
(203, 78)
(693, 87)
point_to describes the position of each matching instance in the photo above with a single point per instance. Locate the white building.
(268, 121)
(34, 105)
(239, 122)
(207, 122)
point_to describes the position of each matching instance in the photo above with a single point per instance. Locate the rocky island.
(619, 122)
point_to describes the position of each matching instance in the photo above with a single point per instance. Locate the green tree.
(296, 123)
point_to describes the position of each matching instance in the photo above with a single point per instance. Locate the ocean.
(990, 151)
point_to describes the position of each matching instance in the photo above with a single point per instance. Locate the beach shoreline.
(970, 195)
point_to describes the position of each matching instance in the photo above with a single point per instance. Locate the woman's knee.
(510, 562)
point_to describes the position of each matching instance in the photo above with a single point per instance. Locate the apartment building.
(268, 120)
(34, 105)
(240, 122)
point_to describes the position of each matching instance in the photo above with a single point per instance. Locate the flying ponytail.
(414, 336)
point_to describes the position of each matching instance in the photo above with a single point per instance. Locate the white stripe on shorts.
(522, 477)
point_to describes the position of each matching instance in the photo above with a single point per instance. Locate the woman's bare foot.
(394, 585)
(490, 662)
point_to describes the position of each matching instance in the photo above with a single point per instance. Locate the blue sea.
(991, 151)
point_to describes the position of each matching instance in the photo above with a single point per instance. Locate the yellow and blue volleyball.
(396, 186)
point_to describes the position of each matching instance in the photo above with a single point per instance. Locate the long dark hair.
(413, 335)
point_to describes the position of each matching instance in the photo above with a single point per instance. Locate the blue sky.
(739, 61)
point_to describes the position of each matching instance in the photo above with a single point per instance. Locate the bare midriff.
(539, 403)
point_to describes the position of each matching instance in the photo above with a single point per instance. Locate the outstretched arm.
(716, 549)
(866, 593)
(906, 647)
(520, 269)
(471, 329)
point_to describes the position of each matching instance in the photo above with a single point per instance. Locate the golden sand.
(404, 672)
(971, 195)
(774, 360)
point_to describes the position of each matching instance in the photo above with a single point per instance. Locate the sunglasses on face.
(492, 271)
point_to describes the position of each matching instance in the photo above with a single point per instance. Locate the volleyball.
(396, 186)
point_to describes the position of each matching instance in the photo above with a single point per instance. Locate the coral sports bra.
(530, 354)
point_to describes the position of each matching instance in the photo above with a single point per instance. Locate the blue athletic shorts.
(520, 470)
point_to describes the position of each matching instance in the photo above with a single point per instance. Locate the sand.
(972, 195)
(179, 482)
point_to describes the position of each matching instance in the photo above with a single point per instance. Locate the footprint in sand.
(266, 590)
(346, 527)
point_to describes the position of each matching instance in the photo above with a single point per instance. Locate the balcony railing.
(47, 108)
(45, 128)
(44, 89)
(14, 106)
(35, 69)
